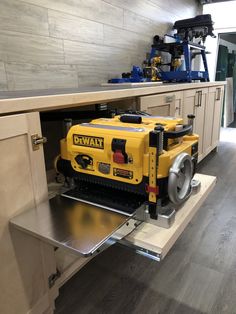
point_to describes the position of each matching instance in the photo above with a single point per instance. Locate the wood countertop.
(43, 100)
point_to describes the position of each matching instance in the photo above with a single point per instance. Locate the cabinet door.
(23, 272)
(158, 105)
(199, 126)
(216, 96)
(195, 103)
(208, 121)
(190, 100)
(178, 104)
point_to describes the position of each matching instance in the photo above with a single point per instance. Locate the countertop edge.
(66, 100)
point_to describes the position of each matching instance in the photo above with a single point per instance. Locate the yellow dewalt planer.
(137, 165)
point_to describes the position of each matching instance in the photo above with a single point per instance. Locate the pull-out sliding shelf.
(83, 228)
(87, 230)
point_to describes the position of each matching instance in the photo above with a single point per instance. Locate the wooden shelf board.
(160, 240)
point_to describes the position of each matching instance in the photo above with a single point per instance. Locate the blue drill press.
(183, 49)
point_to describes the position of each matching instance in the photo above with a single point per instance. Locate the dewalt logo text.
(88, 141)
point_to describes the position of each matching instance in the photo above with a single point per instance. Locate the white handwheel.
(180, 176)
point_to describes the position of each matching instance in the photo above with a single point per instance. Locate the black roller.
(131, 118)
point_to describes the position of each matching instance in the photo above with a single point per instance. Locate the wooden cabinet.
(179, 104)
(25, 261)
(204, 103)
(158, 105)
(195, 102)
(208, 123)
(168, 104)
(215, 97)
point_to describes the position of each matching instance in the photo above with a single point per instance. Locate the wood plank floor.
(233, 124)
(197, 276)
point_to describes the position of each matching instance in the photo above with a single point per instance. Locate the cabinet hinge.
(37, 141)
(53, 278)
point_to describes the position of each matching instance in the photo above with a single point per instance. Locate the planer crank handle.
(180, 133)
(187, 129)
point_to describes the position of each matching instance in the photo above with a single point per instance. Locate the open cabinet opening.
(53, 126)
(54, 129)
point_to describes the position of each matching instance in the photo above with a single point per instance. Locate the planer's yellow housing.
(152, 157)
(93, 142)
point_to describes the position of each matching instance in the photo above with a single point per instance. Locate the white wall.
(224, 17)
(223, 14)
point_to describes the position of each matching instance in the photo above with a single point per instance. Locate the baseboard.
(42, 306)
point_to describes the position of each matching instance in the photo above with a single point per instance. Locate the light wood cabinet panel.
(158, 105)
(160, 240)
(216, 95)
(195, 102)
(24, 269)
(204, 103)
(199, 124)
(208, 122)
(179, 104)
(169, 104)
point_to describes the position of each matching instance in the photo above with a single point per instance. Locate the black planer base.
(116, 200)
(123, 202)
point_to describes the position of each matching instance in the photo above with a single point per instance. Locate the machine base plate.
(112, 199)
